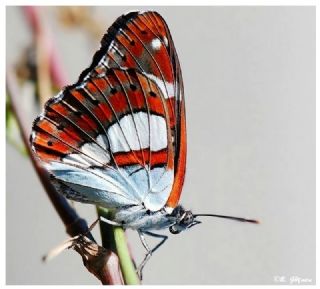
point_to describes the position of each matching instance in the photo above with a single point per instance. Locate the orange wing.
(126, 110)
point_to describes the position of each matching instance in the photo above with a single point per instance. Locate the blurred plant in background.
(80, 17)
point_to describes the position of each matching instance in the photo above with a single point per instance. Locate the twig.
(89, 250)
(99, 261)
(73, 223)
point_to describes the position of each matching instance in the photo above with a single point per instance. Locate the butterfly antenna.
(228, 217)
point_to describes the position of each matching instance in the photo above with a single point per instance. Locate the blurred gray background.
(249, 75)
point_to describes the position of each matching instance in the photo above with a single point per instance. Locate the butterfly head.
(183, 219)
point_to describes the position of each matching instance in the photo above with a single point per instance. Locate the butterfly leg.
(149, 251)
(103, 219)
(68, 243)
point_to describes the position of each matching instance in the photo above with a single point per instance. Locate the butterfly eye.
(173, 230)
(188, 218)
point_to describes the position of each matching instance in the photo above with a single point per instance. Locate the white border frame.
(136, 3)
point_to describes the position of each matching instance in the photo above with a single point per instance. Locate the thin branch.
(108, 272)
(73, 223)
(102, 263)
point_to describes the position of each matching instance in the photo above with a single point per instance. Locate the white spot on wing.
(165, 40)
(141, 120)
(78, 160)
(165, 87)
(102, 140)
(96, 152)
(168, 209)
(158, 133)
(92, 154)
(117, 140)
(140, 125)
(156, 44)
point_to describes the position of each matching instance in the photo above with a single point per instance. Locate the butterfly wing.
(114, 138)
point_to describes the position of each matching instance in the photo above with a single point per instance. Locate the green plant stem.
(114, 237)
(128, 270)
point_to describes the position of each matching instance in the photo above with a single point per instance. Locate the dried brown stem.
(73, 223)
(99, 260)
(103, 264)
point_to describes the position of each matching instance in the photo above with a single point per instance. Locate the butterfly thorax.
(140, 218)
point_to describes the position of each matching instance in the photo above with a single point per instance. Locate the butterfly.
(117, 137)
